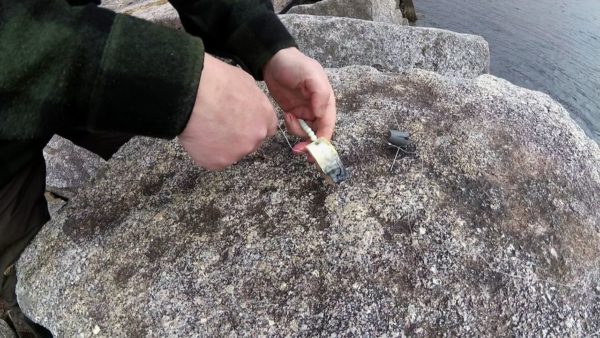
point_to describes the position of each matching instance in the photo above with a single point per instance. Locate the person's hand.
(230, 119)
(300, 86)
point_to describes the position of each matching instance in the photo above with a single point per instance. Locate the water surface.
(547, 45)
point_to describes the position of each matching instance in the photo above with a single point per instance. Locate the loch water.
(548, 45)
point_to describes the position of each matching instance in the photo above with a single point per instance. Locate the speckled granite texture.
(69, 167)
(339, 42)
(375, 10)
(490, 228)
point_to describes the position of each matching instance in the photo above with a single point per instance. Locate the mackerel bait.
(325, 156)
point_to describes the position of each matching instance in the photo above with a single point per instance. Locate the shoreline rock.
(340, 42)
(375, 10)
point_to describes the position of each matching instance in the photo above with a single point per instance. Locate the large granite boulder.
(375, 10)
(158, 11)
(69, 167)
(489, 227)
(339, 42)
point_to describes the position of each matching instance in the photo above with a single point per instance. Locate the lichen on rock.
(490, 227)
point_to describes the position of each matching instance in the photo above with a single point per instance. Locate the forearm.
(246, 30)
(87, 68)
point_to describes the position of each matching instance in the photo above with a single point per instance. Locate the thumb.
(323, 105)
(301, 148)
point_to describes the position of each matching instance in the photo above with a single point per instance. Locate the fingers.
(321, 118)
(226, 125)
(325, 124)
(300, 86)
(300, 149)
(323, 105)
(272, 125)
(304, 112)
(293, 125)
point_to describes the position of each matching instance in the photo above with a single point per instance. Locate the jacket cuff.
(147, 79)
(257, 40)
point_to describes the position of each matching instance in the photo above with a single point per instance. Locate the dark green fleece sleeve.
(87, 68)
(246, 30)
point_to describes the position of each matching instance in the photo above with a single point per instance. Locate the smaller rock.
(160, 12)
(5, 330)
(96, 330)
(374, 10)
(408, 10)
(54, 203)
(68, 166)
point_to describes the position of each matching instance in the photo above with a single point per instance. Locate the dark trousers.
(23, 208)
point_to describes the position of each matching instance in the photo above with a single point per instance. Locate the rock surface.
(54, 203)
(69, 167)
(119, 5)
(160, 12)
(5, 330)
(279, 5)
(374, 10)
(340, 42)
(122, 5)
(491, 227)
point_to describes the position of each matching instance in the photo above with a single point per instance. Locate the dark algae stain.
(124, 274)
(187, 181)
(257, 213)
(151, 184)
(90, 220)
(202, 219)
(157, 248)
(509, 210)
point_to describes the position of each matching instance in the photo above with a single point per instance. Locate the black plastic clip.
(400, 139)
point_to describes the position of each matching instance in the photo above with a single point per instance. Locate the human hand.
(230, 119)
(300, 86)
